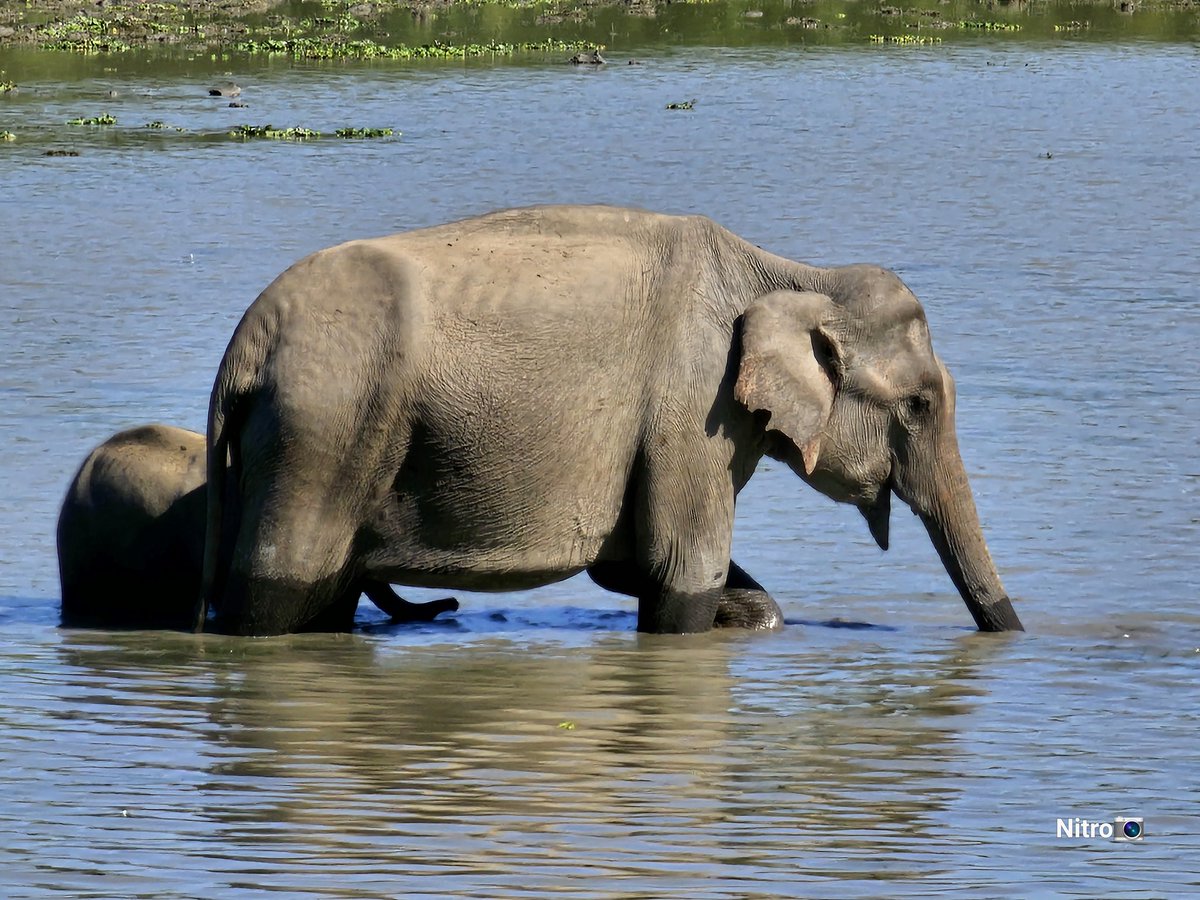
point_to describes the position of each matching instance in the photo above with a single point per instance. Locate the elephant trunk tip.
(996, 616)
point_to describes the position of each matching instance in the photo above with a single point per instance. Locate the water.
(1040, 198)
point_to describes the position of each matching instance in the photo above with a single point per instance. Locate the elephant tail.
(238, 377)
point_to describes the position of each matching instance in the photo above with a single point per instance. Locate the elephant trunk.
(953, 525)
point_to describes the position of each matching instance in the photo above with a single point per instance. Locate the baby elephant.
(131, 536)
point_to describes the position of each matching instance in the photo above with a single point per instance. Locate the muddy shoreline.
(100, 26)
(366, 29)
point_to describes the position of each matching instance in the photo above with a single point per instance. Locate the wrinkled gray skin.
(505, 401)
(131, 536)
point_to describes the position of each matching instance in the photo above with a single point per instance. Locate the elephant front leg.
(743, 602)
(683, 530)
(402, 610)
(660, 610)
(746, 604)
(671, 610)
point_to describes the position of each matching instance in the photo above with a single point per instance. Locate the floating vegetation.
(804, 22)
(61, 153)
(105, 119)
(245, 132)
(7, 136)
(686, 104)
(273, 133)
(325, 48)
(163, 126)
(907, 39)
(6, 86)
(363, 132)
(1072, 26)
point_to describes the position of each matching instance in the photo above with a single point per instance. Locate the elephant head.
(860, 407)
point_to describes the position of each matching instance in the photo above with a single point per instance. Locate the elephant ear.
(785, 366)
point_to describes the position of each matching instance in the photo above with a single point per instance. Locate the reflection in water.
(321, 760)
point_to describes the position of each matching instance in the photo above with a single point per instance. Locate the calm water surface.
(1042, 201)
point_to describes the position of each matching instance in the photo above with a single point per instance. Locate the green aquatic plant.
(7, 136)
(685, 104)
(363, 132)
(270, 131)
(104, 119)
(1072, 26)
(163, 126)
(6, 86)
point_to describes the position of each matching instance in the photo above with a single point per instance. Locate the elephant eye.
(917, 406)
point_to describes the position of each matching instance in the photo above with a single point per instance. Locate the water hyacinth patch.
(323, 48)
(982, 25)
(271, 132)
(363, 132)
(104, 119)
(910, 39)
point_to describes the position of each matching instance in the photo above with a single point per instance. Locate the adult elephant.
(508, 400)
(131, 536)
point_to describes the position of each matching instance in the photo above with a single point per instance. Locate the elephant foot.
(422, 612)
(748, 608)
(401, 610)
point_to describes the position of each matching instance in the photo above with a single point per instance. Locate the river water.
(1042, 200)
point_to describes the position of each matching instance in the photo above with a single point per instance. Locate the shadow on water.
(840, 623)
(563, 618)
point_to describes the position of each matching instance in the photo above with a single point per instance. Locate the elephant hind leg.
(291, 566)
(262, 604)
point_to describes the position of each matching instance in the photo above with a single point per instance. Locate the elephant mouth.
(878, 513)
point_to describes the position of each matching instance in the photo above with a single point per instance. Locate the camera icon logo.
(1128, 828)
